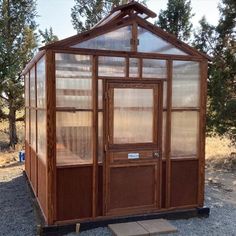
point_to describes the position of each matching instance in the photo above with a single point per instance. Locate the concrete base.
(59, 230)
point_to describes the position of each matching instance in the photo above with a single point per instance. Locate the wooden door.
(133, 118)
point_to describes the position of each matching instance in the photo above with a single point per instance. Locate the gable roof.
(121, 16)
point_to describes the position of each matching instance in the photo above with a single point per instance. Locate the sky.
(57, 13)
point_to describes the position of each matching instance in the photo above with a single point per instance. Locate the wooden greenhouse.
(115, 121)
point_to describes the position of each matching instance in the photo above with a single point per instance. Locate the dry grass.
(219, 153)
(4, 131)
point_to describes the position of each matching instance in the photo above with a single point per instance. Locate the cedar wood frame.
(63, 46)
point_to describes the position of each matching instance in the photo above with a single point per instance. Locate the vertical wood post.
(202, 131)
(95, 135)
(51, 136)
(168, 131)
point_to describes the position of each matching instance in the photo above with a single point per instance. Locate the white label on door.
(133, 155)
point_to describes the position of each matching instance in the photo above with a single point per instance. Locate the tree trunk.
(12, 127)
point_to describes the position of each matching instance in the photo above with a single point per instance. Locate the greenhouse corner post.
(51, 136)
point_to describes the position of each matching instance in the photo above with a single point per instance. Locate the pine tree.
(176, 19)
(86, 13)
(48, 36)
(220, 42)
(17, 41)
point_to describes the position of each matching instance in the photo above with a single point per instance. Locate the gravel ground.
(18, 218)
(16, 212)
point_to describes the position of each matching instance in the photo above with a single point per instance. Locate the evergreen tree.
(17, 41)
(48, 36)
(220, 41)
(86, 13)
(176, 19)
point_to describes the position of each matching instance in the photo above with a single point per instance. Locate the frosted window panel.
(42, 143)
(154, 68)
(133, 116)
(184, 133)
(111, 66)
(27, 120)
(27, 89)
(74, 81)
(149, 42)
(41, 83)
(32, 87)
(74, 138)
(108, 18)
(165, 94)
(100, 94)
(163, 133)
(118, 40)
(186, 84)
(133, 67)
(33, 129)
(100, 137)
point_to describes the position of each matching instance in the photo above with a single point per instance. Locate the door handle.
(156, 154)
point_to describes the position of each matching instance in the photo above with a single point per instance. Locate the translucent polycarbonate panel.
(109, 18)
(41, 83)
(149, 42)
(118, 40)
(163, 133)
(186, 84)
(73, 81)
(100, 137)
(100, 94)
(153, 68)
(32, 88)
(184, 133)
(165, 94)
(133, 67)
(74, 138)
(27, 120)
(33, 129)
(27, 89)
(133, 115)
(42, 137)
(111, 66)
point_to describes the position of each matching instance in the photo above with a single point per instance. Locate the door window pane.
(111, 66)
(154, 68)
(149, 42)
(186, 84)
(133, 116)
(73, 81)
(116, 40)
(184, 133)
(74, 138)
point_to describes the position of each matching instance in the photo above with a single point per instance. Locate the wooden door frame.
(159, 115)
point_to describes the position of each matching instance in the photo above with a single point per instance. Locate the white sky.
(57, 13)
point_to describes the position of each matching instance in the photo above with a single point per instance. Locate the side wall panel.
(33, 165)
(184, 183)
(27, 159)
(74, 192)
(42, 197)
